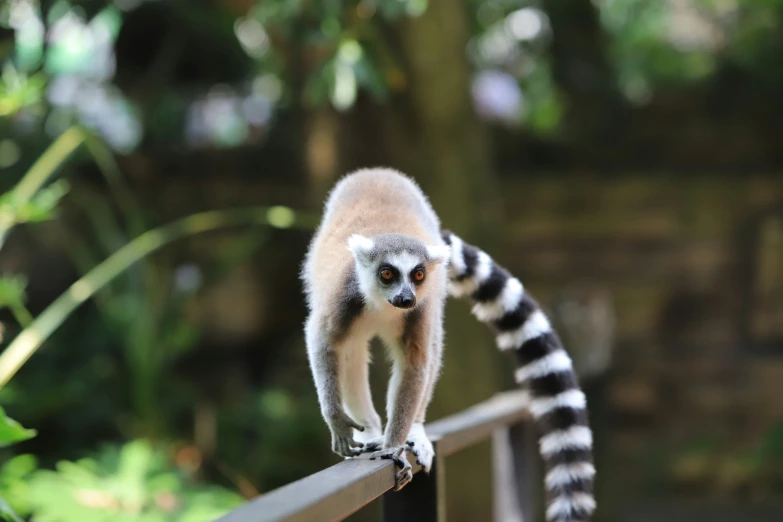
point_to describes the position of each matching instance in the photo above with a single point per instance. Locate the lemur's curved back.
(557, 404)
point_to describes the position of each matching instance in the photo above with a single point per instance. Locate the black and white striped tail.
(543, 367)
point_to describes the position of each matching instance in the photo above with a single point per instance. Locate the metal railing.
(337, 492)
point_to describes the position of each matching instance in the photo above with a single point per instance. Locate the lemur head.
(394, 269)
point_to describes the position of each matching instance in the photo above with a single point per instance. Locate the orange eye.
(387, 274)
(418, 275)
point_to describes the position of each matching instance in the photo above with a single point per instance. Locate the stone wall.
(694, 268)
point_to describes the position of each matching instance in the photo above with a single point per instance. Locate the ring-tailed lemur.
(376, 267)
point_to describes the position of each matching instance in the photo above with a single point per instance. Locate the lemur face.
(393, 269)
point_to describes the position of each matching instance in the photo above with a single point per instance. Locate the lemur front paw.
(371, 437)
(404, 475)
(343, 442)
(373, 444)
(420, 445)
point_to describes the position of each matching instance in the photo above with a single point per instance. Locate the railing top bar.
(331, 494)
(457, 432)
(338, 491)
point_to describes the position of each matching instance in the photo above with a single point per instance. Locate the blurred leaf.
(275, 404)
(320, 83)
(12, 290)
(41, 206)
(180, 337)
(18, 90)
(369, 75)
(7, 513)
(14, 204)
(544, 111)
(18, 467)
(278, 12)
(134, 465)
(392, 9)
(771, 446)
(131, 483)
(13, 482)
(11, 431)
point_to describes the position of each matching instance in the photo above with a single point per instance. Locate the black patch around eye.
(419, 268)
(394, 271)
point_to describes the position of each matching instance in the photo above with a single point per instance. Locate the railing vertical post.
(514, 463)
(423, 500)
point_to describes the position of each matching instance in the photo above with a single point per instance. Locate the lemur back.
(368, 202)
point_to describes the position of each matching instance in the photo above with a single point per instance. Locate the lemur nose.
(401, 301)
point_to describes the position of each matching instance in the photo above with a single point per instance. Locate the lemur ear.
(439, 253)
(360, 246)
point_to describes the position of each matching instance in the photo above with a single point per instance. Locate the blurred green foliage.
(150, 319)
(656, 44)
(323, 53)
(11, 431)
(143, 307)
(40, 207)
(135, 481)
(19, 90)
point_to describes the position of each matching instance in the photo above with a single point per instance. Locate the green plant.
(15, 486)
(135, 484)
(29, 201)
(19, 90)
(11, 432)
(31, 338)
(145, 306)
(136, 481)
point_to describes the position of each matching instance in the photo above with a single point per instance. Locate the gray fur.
(349, 307)
(324, 362)
(385, 244)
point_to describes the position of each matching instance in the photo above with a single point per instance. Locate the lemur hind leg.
(357, 397)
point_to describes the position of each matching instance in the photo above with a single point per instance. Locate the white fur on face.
(405, 262)
(376, 294)
(368, 285)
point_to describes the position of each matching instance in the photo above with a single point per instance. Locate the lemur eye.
(418, 275)
(387, 274)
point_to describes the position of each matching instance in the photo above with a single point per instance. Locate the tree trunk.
(582, 70)
(433, 126)
(431, 132)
